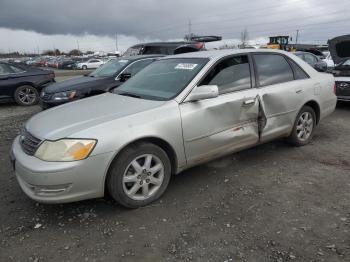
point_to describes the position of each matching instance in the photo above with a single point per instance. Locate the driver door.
(227, 123)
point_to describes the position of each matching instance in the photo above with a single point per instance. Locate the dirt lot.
(270, 203)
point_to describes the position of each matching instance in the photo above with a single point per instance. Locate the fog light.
(49, 190)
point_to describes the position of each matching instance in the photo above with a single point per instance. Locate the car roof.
(166, 43)
(215, 54)
(138, 57)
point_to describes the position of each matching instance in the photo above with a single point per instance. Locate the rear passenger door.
(281, 84)
(217, 126)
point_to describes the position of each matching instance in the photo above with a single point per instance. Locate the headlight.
(65, 150)
(64, 95)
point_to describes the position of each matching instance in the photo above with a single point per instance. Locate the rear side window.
(298, 72)
(231, 74)
(272, 69)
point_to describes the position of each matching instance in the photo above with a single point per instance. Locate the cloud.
(141, 20)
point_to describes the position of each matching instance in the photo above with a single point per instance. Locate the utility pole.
(189, 30)
(78, 46)
(296, 38)
(116, 42)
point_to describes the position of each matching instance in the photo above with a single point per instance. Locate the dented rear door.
(217, 126)
(280, 95)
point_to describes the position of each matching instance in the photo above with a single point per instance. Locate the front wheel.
(84, 67)
(139, 176)
(304, 127)
(26, 95)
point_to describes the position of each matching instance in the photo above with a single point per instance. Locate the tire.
(26, 95)
(130, 175)
(84, 67)
(303, 131)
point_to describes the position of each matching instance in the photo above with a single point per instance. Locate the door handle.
(249, 102)
(298, 91)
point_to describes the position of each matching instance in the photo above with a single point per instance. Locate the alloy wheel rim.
(143, 177)
(305, 126)
(27, 95)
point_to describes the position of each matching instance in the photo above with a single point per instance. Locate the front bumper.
(60, 182)
(45, 104)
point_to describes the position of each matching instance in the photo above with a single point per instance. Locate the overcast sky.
(32, 25)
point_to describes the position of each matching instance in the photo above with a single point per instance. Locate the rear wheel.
(26, 95)
(139, 175)
(304, 127)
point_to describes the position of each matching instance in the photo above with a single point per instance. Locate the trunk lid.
(339, 48)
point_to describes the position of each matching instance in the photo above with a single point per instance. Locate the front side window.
(231, 74)
(134, 68)
(16, 70)
(163, 79)
(5, 69)
(272, 69)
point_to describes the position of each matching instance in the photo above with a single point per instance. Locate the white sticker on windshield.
(186, 66)
(123, 61)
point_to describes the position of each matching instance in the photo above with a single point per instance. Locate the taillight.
(335, 88)
(199, 45)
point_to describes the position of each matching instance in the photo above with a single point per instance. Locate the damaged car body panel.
(182, 110)
(229, 126)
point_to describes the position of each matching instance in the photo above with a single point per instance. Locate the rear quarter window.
(299, 73)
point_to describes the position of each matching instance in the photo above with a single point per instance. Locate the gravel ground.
(270, 203)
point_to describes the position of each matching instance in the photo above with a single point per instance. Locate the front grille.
(343, 88)
(29, 143)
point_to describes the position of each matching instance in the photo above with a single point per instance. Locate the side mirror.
(123, 77)
(203, 92)
(321, 66)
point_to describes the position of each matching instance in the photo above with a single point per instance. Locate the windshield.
(163, 79)
(134, 50)
(111, 68)
(346, 63)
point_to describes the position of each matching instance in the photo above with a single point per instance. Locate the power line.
(246, 15)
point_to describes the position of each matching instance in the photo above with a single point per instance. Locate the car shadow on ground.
(182, 188)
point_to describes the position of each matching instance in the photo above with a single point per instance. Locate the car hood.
(73, 83)
(65, 120)
(339, 48)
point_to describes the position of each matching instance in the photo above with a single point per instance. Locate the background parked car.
(90, 64)
(312, 60)
(339, 48)
(164, 48)
(103, 79)
(22, 84)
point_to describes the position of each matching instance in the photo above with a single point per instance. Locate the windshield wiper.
(128, 94)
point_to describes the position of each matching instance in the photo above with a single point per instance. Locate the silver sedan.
(178, 112)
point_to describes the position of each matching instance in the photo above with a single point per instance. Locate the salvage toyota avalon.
(178, 112)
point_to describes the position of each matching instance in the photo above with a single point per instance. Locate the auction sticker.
(186, 66)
